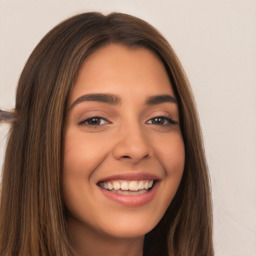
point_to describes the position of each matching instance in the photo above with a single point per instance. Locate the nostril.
(130, 157)
(127, 150)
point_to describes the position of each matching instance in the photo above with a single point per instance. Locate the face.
(123, 148)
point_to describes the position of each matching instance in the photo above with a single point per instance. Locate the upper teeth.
(127, 185)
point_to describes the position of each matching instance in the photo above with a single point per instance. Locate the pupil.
(94, 121)
(158, 120)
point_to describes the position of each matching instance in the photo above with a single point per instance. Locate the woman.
(105, 153)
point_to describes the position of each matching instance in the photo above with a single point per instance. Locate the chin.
(129, 225)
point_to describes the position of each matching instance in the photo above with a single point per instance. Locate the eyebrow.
(158, 99)
(105, 98)
(115, 100)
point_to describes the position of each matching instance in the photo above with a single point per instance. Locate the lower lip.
(131, 200)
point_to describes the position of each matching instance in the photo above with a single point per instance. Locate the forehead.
(122, 70)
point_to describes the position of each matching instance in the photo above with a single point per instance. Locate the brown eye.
(94, 121)
(161, 120)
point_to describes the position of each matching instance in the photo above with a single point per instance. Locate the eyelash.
(166, 119)
(95, 118)
(159, 120)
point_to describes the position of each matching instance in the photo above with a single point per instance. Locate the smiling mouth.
(124, 187)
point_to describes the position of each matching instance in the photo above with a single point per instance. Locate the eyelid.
(85, 121)
(170, 120)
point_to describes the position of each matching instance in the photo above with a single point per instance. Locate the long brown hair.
(32, 212)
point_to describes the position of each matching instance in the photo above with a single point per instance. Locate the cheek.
(174, 159)
(82, 153)
(170, 151)
(81, 158)
(171, 155)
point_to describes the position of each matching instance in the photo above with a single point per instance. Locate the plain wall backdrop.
(216, 43)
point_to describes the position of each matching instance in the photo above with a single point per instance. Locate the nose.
(132, 145)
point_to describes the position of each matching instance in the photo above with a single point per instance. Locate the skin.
(127, 139)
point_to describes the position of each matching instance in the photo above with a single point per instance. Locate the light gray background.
(216, 43)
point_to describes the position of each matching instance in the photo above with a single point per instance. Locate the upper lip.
(130, 176)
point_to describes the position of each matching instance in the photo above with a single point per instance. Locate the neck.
(87, 242)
